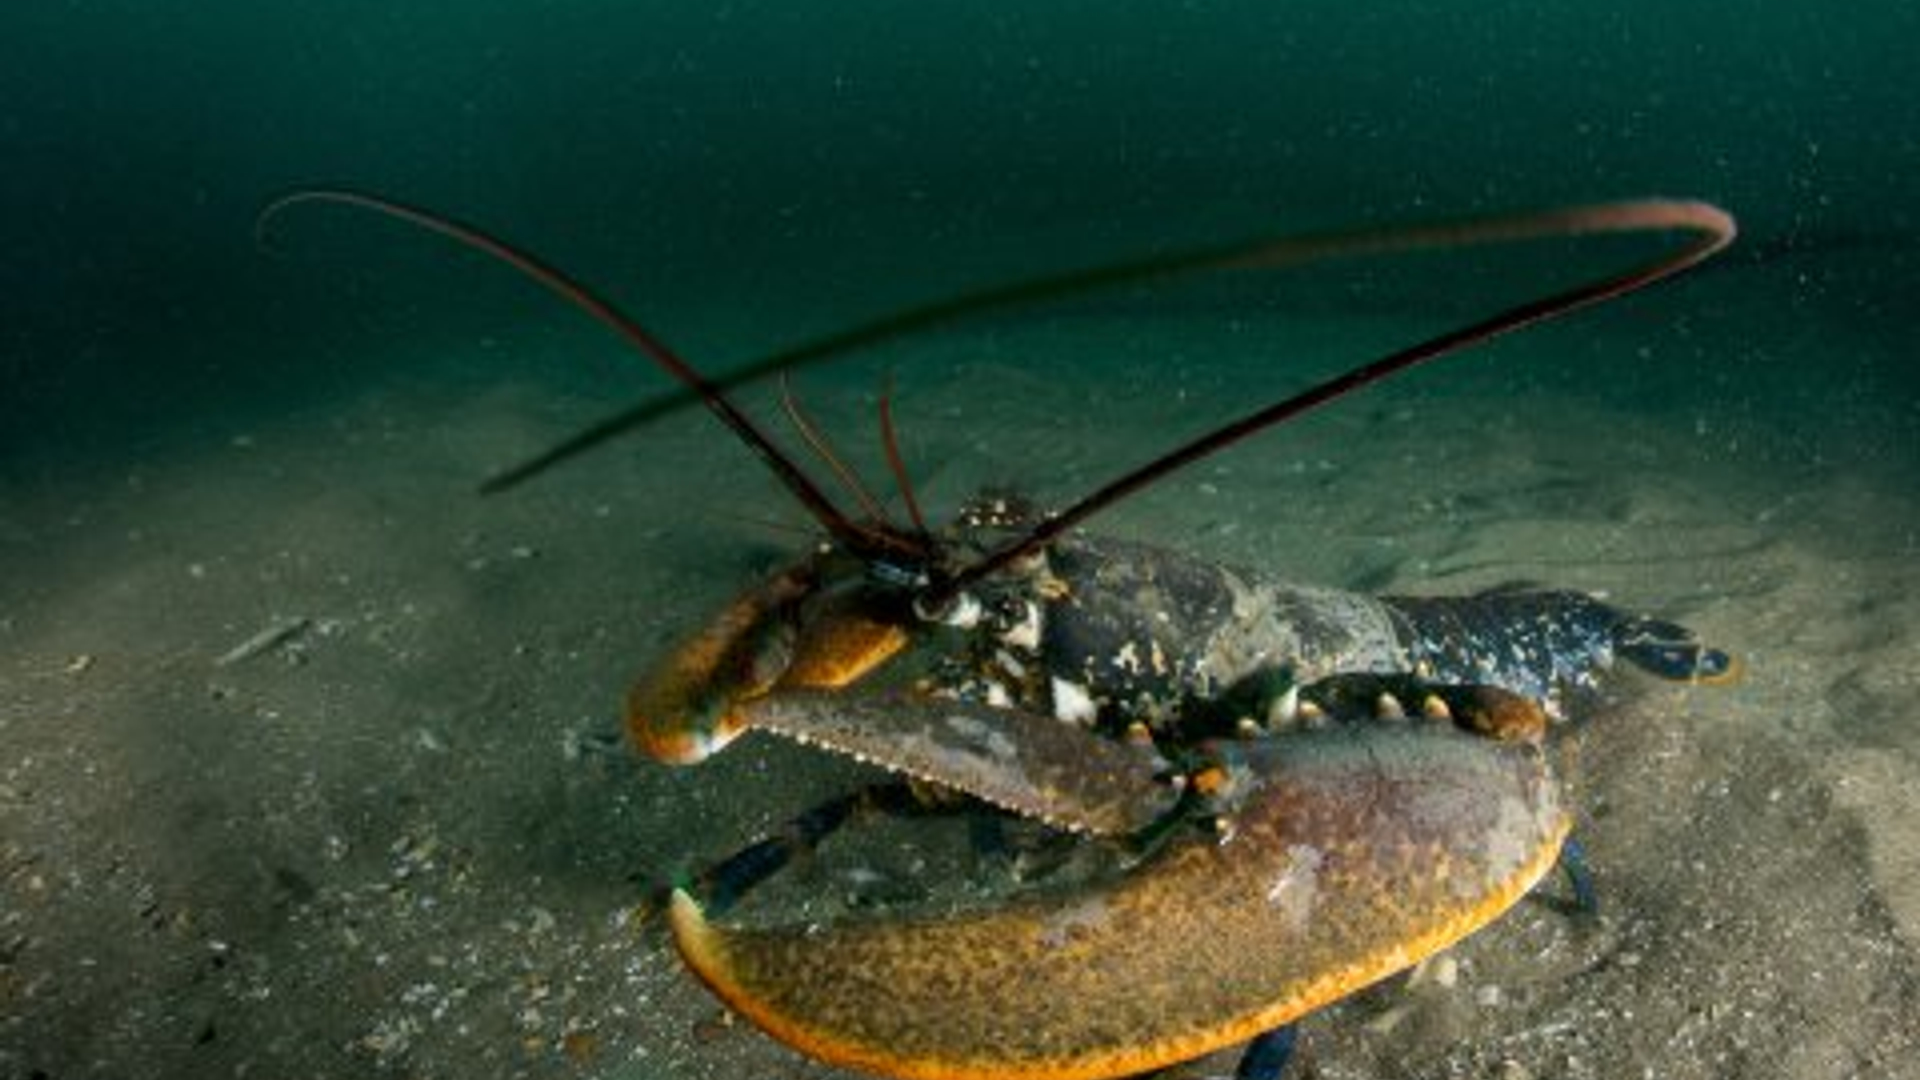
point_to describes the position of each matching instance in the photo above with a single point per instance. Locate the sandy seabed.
(310, 766)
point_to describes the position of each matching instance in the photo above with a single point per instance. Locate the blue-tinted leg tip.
(1573, 863)
(1266, 1057)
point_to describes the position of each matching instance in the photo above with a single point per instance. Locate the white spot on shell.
(1014, 668)
(1066, 924)
(1024, 634)
(1296, 891)
(977, 733)
(963, 613)
(1284, 708)
(1071, 702)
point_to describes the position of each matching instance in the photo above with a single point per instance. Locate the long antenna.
(557, 282)
(1264, 253)
(1713, 227)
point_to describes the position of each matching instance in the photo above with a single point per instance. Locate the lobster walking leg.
(1573, 863)
(722, 885)
(1266, 1057)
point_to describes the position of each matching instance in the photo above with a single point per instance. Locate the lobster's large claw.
(1360, 851)
(1030, 764)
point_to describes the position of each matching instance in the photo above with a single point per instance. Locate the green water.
(401, 839)
(744, 172)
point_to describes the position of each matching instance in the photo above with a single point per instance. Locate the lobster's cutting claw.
(1359, 851)
(690, 705)
(1033, 765)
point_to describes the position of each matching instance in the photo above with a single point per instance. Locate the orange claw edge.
(686, 708)
(683, 709)
(703, 947)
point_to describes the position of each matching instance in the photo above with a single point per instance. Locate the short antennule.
(902, 479)
(603, 311)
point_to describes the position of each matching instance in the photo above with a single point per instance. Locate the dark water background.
(745, 172)
(227, 867)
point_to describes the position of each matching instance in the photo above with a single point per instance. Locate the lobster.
(1306, 790)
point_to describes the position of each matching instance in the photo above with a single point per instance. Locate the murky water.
(309, 756)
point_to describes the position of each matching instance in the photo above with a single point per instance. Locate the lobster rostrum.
(1312, 789)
